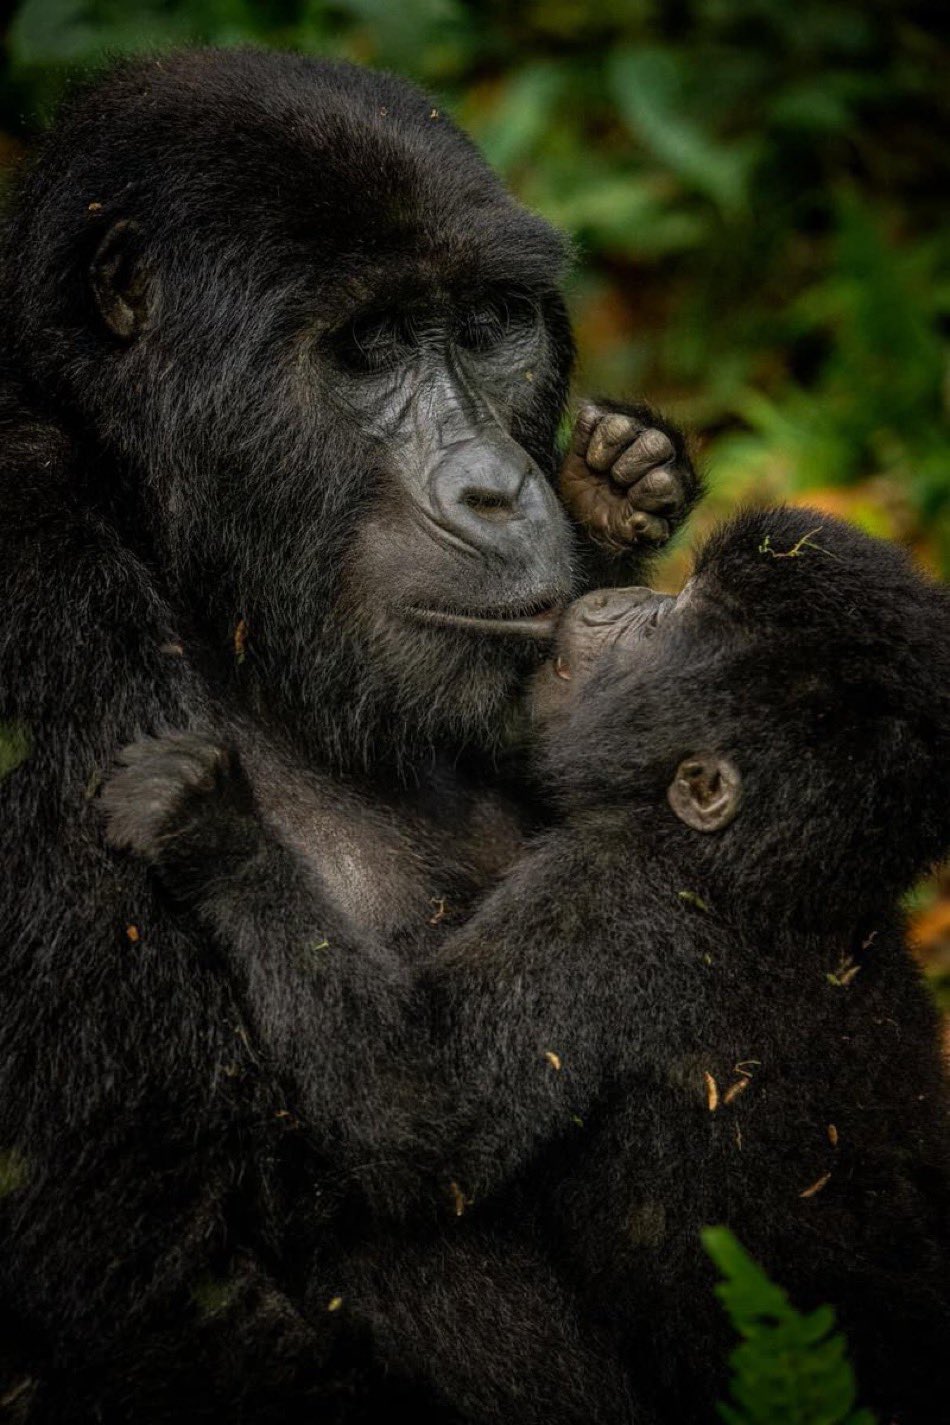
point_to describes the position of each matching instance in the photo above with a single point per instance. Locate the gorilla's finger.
(659, 492)
(610, 436)
(651, 448)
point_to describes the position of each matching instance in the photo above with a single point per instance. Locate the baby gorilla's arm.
(535, 1004)
(512, 1067)
(330, 1013)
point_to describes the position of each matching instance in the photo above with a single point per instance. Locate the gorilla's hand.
(169, 793)
(626, 479)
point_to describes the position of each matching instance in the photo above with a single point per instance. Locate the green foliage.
(754, 187)
(791, 1367)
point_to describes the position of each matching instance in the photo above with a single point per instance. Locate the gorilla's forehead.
(356, 166)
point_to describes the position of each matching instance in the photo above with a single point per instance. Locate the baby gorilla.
(700, 976)
(690, 1002)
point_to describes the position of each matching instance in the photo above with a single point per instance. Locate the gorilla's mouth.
(539, 626)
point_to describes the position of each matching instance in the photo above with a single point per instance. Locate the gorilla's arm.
(327, 1011)
(628, 483)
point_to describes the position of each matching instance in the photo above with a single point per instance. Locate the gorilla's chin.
(434, 683)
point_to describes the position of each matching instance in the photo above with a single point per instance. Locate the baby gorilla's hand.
(165, 790)
(626, 480)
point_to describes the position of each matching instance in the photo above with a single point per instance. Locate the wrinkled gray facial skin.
(602, 620)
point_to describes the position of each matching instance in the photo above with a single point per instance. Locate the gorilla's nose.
(491, 493)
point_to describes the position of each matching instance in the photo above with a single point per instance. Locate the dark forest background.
(758, 191)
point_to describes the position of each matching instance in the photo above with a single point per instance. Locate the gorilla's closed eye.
(371, 343)
(501, 317)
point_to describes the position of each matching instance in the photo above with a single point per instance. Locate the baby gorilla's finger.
(145, 798)
(659, 492)
(610, 436)
(650, 449)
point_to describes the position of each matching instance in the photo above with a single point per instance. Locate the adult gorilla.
(283, 366)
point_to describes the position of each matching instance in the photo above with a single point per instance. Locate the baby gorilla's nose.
(594, 623)
(604, 619)
(606, 606)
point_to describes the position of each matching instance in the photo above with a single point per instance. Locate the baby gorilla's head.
(794, 699)
(609, 628)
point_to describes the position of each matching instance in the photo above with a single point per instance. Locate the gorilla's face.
(462, 556)
(333, 357)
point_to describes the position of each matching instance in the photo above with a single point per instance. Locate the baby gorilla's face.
(604, 620)
(626, 625)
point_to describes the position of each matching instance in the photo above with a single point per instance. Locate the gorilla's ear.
(122, 286)
(705, 791)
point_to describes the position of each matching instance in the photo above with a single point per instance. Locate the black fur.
(649, 1029)
(741, 1036)
(218, 508)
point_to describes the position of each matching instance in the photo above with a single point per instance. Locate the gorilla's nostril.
(489, 504)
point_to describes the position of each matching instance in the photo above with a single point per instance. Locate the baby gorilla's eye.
(372, 343)
(501, 318)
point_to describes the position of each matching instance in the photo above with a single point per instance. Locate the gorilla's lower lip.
(540, 626)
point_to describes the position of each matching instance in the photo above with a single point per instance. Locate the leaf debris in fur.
(553, 1059)
(240, 640)
(691, 898)
(15, 746)
(213, 1295)
(798, 548)
(14, 1170)
(816, 1186)
(133, 933)
(832, 1135)
(26, 1384)
(459, 1201)
(334, 1303)
(438, 913)
(844, 972)
(734, 1090)
(712, 1092)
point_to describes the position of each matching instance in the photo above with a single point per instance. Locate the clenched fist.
(626, 479)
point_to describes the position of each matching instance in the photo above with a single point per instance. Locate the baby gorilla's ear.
(705, 791)
(122, 287)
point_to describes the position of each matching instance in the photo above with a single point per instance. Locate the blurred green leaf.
(523, 115)
(647, 87)
(791, 1367)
